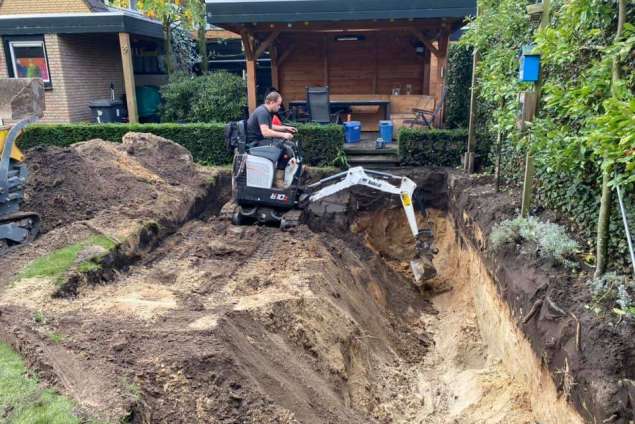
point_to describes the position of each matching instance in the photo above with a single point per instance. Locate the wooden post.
(471, 137)
(275, 78)
(251, 70)
(443, 65)
(128, 76)
(530, 169)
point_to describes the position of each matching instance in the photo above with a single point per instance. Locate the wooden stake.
(530, 170)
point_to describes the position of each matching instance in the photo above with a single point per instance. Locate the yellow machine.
(21, 102)
(15, 227)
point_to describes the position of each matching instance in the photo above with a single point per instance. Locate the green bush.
(321, 144)
(436, 147)
(217, 97)
(459, 80)
(206, 142)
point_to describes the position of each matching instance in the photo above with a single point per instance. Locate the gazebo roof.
(221, 12)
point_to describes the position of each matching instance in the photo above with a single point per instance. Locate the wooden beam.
(443, 43)
(128, 76)
(266, 43)
(426, 41)
(275, 78)
(401, 25)
(251, 69)
(247, 44)
(251, 85)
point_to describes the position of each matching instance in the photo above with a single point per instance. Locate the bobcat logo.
(280, 197)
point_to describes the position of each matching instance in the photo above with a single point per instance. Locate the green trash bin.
(148, 101)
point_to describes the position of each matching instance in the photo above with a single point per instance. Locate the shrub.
(206, 142)
(216, 97)
(551, 239)
(321, 144)
(436, 147)
(459, 80)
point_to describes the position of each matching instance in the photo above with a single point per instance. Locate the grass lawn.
(56, 263)
(22, 401)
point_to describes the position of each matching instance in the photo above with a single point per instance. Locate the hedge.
(436, 147)
(459, 81)
(321, 144)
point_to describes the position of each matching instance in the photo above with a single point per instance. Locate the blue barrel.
(385, 131)
(353, 131)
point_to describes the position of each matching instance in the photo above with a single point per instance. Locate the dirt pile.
(76, 183)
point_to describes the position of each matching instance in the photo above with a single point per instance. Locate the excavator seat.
(271, 153)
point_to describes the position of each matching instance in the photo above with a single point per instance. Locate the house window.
(26, 58)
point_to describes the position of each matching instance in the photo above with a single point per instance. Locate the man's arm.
(284, 128)
(272, 133)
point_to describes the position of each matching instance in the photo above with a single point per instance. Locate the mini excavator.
(21, 102)
(267, 189)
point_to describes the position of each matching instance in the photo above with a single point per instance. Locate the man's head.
(273, 101)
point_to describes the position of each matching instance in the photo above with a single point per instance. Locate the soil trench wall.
(498, 329)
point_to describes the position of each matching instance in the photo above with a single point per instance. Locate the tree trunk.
(202, 48)
(169, 53)
(605, 205)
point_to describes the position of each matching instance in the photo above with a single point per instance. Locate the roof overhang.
(80, 23)
(223, 12)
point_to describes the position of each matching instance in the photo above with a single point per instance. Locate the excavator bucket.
(423, 270)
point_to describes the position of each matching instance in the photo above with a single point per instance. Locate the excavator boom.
(421, 265)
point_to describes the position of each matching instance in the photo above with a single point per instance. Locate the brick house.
(79, 48)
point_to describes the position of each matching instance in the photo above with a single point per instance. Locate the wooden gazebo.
(361, 49)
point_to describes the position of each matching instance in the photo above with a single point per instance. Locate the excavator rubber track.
(27, 224)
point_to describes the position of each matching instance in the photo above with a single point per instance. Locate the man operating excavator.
(262, 132)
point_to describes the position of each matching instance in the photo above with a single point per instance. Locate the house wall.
(89, 64)
(13, 7)
(375, 65)
(82, 68)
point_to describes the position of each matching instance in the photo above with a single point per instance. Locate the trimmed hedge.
(320, 143)
(206, 142)
(436, 147)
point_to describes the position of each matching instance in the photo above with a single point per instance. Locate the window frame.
(25, 41)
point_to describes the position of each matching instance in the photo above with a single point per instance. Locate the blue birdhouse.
(529, 65)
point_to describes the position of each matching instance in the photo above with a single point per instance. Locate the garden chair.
(426, 117)
(319, 107)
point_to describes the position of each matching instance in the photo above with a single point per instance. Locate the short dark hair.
(272, 97)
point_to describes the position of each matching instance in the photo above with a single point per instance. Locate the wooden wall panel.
(375, 65)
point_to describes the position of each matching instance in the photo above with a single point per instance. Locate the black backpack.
(235, 136)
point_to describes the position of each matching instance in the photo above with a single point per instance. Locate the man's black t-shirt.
(261, 116)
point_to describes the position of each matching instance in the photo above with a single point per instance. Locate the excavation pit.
(209, 322)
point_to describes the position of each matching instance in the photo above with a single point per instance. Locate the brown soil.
(208, 322)
(78, 182)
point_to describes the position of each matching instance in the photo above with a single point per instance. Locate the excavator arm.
(421, 265)
(375, 180)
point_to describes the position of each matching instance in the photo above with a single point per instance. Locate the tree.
(605, 203)
(199, 20)
(169, 12)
